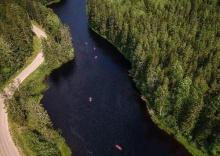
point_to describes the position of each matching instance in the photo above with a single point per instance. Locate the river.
(116, 115)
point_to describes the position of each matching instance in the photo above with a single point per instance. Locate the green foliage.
(174, 48)
(16, 36)
(39, 144)
(33, 129)
(48, 2)
(62, 42)
(16, 39)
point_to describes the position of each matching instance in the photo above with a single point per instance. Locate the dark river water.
(116, 115)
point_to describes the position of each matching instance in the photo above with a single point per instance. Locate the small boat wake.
(76, 134)
(84, 143)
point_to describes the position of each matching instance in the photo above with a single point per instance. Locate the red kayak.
(118, 147)
(90, 99)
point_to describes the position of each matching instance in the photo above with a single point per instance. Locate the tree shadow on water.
(64, 71)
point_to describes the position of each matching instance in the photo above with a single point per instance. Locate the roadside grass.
(16, 132)
(37, 49)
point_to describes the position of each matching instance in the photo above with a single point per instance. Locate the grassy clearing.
(16, 132)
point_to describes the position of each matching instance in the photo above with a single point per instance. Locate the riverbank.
(46, 140)
(11, 149)
(191, 147)
(52, 2)
(180, 87)
(26, 139)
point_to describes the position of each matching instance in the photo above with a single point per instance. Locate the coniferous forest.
(16, 36)
(30, 124)
(174, 49)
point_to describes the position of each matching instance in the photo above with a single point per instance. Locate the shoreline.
(187, 145)
(51, 137)
(7, 146)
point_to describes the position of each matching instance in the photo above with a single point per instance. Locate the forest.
(174, 49)
(31, 125)
(16, 36)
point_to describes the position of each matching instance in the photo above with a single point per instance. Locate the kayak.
(90, 99)
(118, 147)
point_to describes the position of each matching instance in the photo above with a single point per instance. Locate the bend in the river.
(116, 115)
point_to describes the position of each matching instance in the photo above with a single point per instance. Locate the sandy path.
(7, 146)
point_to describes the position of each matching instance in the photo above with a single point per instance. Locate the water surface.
(116, 115)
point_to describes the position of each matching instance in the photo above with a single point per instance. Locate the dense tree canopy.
(174, 48)
(16, 36)
(33, 129)
(16, 39)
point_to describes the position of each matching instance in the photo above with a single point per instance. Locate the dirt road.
(7, 146)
